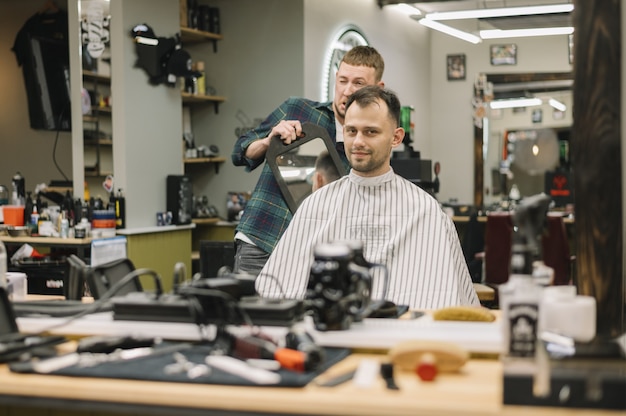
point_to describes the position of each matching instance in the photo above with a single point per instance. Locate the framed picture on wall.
(456, 67)
(504, 54)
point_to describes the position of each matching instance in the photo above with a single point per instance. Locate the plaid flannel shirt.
(266, 215)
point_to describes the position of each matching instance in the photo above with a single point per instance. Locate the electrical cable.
(98, 304)
(56, 140)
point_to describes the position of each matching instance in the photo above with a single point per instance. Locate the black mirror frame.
(276, 148)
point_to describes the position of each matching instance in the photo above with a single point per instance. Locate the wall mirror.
(536, 135)
(293, 165)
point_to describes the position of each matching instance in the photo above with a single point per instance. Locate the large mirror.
(522, 147)
(293, 165)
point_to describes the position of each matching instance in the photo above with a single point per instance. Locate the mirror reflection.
(525, 147)
(293, 165)
(297, 167)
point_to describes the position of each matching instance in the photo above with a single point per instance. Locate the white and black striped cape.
(400, 225)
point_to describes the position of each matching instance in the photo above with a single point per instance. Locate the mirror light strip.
(517, 33)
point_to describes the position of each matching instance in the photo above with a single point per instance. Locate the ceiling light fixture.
(557, 104)
(520, 33)
(501, 12)
(450, 30)
(515, 102)
(406, 9)
(432, 20)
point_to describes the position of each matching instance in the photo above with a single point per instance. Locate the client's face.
(370, 135)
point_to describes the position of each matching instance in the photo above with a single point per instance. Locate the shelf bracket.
(216, 106)
(217, 168)
(214, 45)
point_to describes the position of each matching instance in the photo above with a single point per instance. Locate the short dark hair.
(366, 56)
(325, 165)
(370, 94)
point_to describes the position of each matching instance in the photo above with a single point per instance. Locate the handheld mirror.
(293, 164)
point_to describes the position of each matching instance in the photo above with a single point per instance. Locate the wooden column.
(596, 154)
(479, 167)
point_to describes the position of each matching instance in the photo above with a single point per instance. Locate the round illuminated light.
(346, 39)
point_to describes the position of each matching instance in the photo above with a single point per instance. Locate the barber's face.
(348, 79)
(370, 135)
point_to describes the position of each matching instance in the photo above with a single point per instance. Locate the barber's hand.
(287, 130)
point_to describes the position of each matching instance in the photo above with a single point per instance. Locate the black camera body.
(339, 288)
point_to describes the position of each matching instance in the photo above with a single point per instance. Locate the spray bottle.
(520, 297)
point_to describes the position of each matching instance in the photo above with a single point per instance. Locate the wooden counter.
(477, 390)
(82, 245)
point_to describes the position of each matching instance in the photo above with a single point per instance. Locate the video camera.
(340, 285)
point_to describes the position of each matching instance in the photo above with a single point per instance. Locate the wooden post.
(596, 153)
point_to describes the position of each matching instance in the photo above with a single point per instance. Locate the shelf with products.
(190, 100)
(205, 228)
(97, 125)
(194, 99)
(98, 147)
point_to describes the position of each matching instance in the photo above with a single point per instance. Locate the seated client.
(399, 224)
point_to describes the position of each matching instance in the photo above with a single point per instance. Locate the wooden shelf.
(99, 142)
(206, 221)
(94, 76)
(59, 189)
(189, 98)
(92, 174)
(104, 110)
(188, 35)
(204, 160)
(195, 99)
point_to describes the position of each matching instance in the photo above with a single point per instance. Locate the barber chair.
(217, 258)
(498, 244)
(556, 251)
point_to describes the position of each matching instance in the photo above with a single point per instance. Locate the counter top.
(46, 240)
(476, 390)
(155, 229)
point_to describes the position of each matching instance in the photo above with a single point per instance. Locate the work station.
(121, 132)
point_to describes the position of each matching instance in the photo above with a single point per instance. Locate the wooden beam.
(596, 149)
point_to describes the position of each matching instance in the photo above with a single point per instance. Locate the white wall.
(403, 43)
